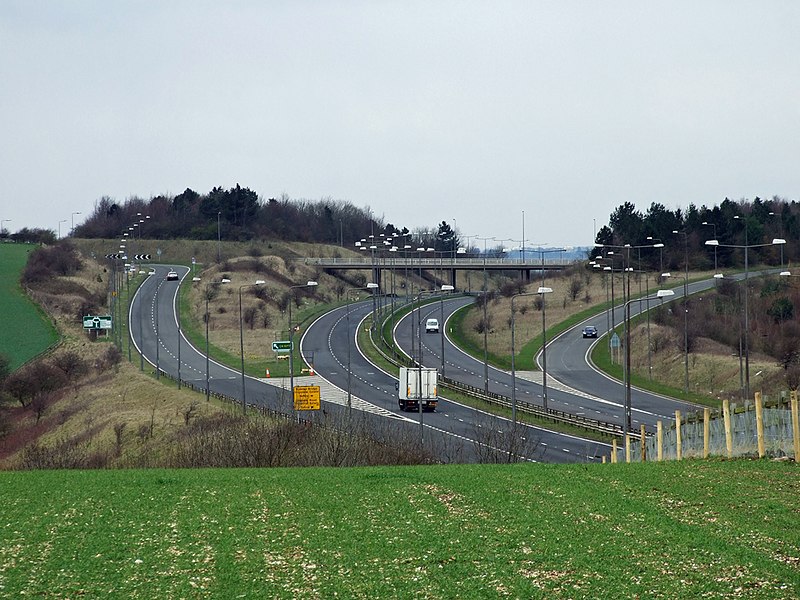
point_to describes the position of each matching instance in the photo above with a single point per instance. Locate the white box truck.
(418, 386)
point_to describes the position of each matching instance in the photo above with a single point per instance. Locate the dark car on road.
(590, 331)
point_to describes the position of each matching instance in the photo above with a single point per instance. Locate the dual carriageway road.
(460, 432)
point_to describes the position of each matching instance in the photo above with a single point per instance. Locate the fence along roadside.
(755, 429)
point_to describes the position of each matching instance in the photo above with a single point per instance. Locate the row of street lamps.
(207, 296)
(746, 247)
(72, 218)
(665, 293)
(542, 291)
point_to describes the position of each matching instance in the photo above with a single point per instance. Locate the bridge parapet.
(439, 262)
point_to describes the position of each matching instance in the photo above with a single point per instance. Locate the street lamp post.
(445, 288)
(610, 257)
(485, 318)
(1, 224)
(241, 339)
(418, 318)
(780, 232)
(178, 321)
(658, 244)
(158, 344)
(714, 225)
(72, 228)
(291, 334)
(369, 286)
(59, 227)
(513, 355)
(746, 247)
(542, 291)
(207, 318)
(608, 301)
(685, 309)
(661, 294)
(219, 238)
(719, 276)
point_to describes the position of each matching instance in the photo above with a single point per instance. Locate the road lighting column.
(714, 225)
(513, 353)
(445, 288)
(485, 318)
(610, 256)
(542, 291)
(746, 247)
(219, 239)
(685, 309)
(369, 286)
(73, 222)
(207, 318)
(291, 334)
(241, 339)
(661, 294)
(419, 350)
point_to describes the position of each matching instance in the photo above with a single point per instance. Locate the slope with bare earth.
(715, 370)
(105, 410)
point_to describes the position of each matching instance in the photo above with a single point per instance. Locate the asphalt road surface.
(453, 433)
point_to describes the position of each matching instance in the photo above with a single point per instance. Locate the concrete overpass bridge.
(440, 268)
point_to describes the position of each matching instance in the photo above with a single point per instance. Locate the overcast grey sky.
(422, 111)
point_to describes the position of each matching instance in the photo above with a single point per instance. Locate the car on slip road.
(590, 331)
(172, 276)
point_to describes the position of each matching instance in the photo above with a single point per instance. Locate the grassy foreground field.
(671, 530)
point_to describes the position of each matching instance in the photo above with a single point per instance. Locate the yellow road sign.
(306, 397)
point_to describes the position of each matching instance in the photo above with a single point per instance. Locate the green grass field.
(26, 331)
(673, 530)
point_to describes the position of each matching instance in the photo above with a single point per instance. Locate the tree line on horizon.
(240, 214)
(684, 234)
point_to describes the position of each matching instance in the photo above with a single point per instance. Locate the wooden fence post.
(659, 441)
(627, 448)
(706, 431)
(760, 425)
(613, 451)
(644, 445)
(678, 439)
(726, 415)
(795, 426)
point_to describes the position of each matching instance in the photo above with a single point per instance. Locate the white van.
(431, 326)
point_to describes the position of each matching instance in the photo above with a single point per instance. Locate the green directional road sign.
(283, 346)
(97, 322)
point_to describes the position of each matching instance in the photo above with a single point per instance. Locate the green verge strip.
(194, 330)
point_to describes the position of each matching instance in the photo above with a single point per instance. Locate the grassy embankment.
(110, 417)
(671, 530)
(27, 331)
(711, 367)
